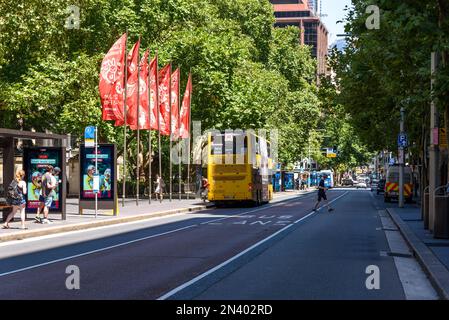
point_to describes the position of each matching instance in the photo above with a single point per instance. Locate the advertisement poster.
(289, 181)
(276, 182)
(36, 161)
(106, 172)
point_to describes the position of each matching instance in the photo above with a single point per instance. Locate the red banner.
(164, 103)
(111, 80)
(131, 88)
(153, 95)
(175, 77)
(143, 118)
(184, 130)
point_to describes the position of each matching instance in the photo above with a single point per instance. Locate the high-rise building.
(305, 14)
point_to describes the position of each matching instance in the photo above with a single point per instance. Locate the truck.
(391, 190)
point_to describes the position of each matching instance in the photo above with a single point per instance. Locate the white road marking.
(221, 265)
(109, 247)
(149, 219)
(93, 251)
(259, 209)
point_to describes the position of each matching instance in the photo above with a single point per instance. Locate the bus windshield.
(229, 144)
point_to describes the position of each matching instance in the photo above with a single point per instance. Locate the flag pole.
(138, 126)
(169, 99)
(188, 138)
(124, 116)
(179, 131)
(159, 122)
(149, 130)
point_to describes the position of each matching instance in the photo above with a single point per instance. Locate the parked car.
(361, 184)
(347, 182)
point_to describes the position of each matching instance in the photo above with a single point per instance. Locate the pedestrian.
(49, 185)
(204, 190)
(159, 191)
(16, 192)
(322, 194)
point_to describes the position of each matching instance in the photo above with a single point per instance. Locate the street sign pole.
(402, 144)
(434, 151)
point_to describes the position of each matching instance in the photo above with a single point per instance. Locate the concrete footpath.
(128, 213)
(432, 254)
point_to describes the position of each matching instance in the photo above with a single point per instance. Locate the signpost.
(402, 144)
(91, 140)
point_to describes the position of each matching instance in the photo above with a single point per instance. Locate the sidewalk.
(130, 212)
(432, 254)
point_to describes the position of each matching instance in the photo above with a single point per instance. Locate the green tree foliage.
(246, 74)
(389, 68)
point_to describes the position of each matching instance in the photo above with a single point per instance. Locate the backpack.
(13, 195)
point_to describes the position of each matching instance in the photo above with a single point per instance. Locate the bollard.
(425, 208)
(441, 225)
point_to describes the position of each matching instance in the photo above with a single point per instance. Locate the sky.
(334, 9)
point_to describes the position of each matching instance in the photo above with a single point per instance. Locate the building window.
(286, 24)
(292, 14)
(285, 1)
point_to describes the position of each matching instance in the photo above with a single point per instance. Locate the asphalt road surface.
(282, 250)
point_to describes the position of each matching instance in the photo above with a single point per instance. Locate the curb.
(95, 224)
(437, 272)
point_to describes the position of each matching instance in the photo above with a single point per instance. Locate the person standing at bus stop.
(49, 185)
(18, 202)
(322, 194)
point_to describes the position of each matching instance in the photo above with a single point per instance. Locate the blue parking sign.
(402, 140)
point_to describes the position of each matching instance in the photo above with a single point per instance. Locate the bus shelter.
(39, 145)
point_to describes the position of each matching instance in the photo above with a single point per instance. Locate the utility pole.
(434, 151)
(401, 162)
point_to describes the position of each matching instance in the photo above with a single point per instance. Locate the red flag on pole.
(164, 103)
(144, 121)
(184, 130)
(153, 94)
(175, 77)
(131, 88)
(111, 80)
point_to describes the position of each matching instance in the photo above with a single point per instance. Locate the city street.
(278, 251)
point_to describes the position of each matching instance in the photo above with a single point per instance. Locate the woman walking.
(19, 188)
(159, 188)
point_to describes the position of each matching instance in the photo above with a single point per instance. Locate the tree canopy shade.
(246, 73)
(382, 70)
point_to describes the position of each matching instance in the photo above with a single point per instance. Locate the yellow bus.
(239, 168)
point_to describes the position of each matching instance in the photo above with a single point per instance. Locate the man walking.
(49, 184)
(322, 194)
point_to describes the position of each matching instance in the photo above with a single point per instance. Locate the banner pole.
(159, 124)
(96, 176)
(138, 127)
(124, 116)
(170, 104)
(149, 130)
(188, 138)
(179, 131)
